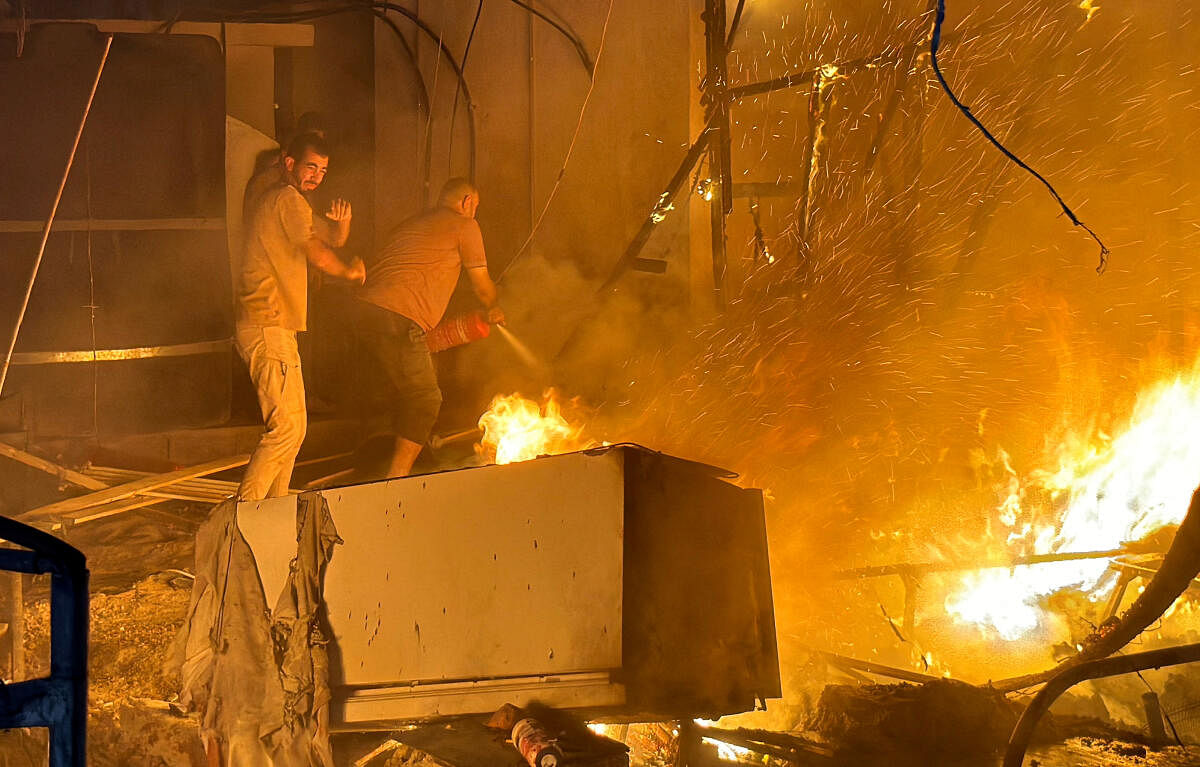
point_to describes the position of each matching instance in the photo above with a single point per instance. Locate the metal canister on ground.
(535, 744)
(458, 330)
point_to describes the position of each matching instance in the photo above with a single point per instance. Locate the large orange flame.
(1102, 495)
(520, 429)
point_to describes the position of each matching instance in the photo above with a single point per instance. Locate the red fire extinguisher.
(457, 330)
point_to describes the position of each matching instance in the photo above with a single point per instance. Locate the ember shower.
(928, 307)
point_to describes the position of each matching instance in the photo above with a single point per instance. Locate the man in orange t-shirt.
(406, 293)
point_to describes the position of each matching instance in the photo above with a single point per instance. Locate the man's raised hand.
(339, 210)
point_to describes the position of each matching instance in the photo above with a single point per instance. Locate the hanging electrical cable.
(379, 8)
(565, 30)
(423, 104)
(562, 171)
(457, 90)
(454, 65)
(934, 42)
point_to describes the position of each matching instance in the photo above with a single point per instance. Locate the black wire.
(454, 65)
(1162, 711)
(368, 6)
(566, 32)
(423, 103)
(733, 26)
(457, 89)
(321, 10)
(934, 42)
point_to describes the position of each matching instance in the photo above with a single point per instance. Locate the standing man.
(407, 290)
(272, 306)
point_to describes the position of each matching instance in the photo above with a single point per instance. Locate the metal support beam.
(716, 103)
(666, 202)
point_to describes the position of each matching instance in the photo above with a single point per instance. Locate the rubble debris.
(130, 718)
(148, 732)
(1113, 747)
(792, 748)
(130, 635)
(383, 748)
(940, 718)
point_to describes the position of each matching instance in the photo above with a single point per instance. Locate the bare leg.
(403, 457)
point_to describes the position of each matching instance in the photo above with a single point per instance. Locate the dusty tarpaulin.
(259, 678)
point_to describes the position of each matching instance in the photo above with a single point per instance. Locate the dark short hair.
(312, 122)
(313, 142)
(457, 188)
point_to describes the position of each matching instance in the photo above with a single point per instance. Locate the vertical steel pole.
(716, 102)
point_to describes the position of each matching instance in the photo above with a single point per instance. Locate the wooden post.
(1154, 719)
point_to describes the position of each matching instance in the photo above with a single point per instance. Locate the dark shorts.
(399, 345)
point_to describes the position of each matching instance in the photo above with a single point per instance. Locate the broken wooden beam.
(921, 568)
(879, 669)
(73, 506)
(49, 467)
(792, 748)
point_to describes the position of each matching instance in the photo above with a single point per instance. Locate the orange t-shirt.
(415, 273)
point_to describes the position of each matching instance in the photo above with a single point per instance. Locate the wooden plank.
(41, 464)
(845, 662)
(92, 513)
(117, 225)
(182, 495)
(188, 490)
(71, 506)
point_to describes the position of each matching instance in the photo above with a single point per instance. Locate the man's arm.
(486, 292)
(320, 256)
(334, 227)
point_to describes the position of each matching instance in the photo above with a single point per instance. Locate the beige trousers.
(274, 363)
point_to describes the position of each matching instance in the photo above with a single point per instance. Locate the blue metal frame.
(59, 701)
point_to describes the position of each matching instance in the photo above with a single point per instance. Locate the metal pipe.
(62, 184)
(438, 441)
(1018, 742)
(716, 98)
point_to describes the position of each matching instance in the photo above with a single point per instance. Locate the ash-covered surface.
(131, 720)
(130, 635)
(1092, 752)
